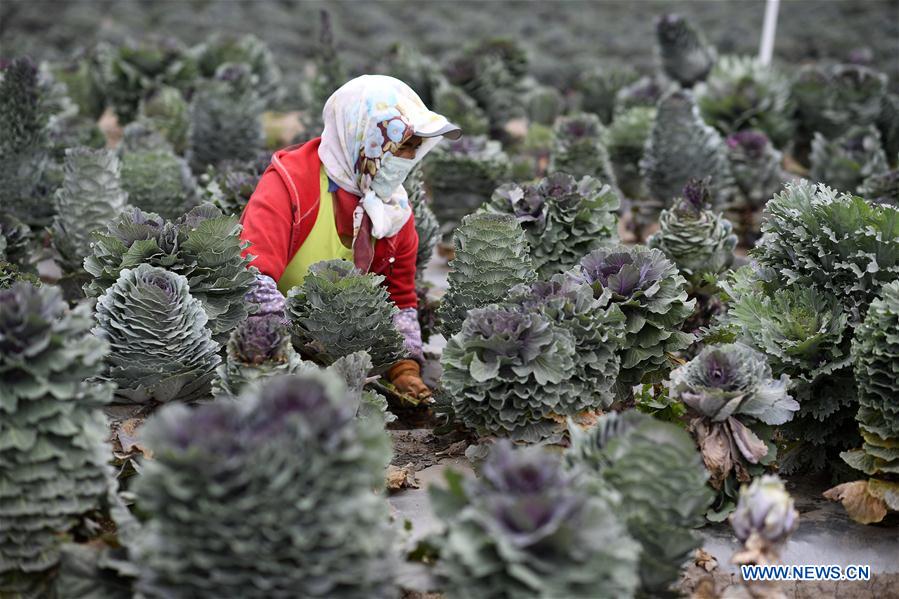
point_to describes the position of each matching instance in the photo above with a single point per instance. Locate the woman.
(341, 196)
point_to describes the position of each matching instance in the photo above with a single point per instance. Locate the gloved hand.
(406, 377)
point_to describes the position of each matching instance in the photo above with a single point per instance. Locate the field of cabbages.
(657, 280)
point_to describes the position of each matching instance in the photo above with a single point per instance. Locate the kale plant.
(267, 496)
(562, 218)
(160, 347)
(528, 528)
(338, 310)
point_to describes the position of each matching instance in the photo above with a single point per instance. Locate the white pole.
(769, 28)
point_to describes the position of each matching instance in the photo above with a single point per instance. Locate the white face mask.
(391, 175)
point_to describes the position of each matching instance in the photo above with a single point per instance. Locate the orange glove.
(406, 377)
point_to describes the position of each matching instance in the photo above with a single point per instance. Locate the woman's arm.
(267, 224)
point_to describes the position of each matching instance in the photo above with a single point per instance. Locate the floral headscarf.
(366, 120)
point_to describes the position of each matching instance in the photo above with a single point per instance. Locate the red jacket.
(283, 208)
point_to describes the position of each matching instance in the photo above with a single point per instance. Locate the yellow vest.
(323, 242)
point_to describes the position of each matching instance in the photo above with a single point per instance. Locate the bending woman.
(341, 196)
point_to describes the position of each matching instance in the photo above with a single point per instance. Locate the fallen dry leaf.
(705, 560)
(401, 478)
(126, 434)
(860, 504)
(453, 450)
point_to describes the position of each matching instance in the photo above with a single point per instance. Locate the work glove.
(405, 375)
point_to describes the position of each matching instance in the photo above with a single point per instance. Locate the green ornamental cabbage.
(160, 348)
(229, 185)
(225, 118)
(732, 400)
(426, 224)
(655, 468)
(625, 139)
(686, 56)
(578, 149)
(461, 175)
(17, 242)
(528, 528)
(259, 348)
(846, 161)
(452, 102)
(875, 355)
(839, 244)
(888, 123)
(805, 334)
(698, 240)
(338, 310)
(203, 245)
(419, 71)
(598, 87)
(742, 93)
(682, 147)
(562, 218)
(507, 373)
(491, 257)
(248, 50)
(882, 188)
(492, 72)
(830, 99)
(141, 135)
(52, 428)
(24, 116)
(132, 71)
(267, 496)
(90, 197)
(597, 332)
(158, 181)
(755, 165)
(167, 110)
(652, 294)
(544, 105)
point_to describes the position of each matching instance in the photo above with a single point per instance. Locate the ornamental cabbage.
(731, 394)
(160, 347)
(742, 93)
(562, 218)
(203, 245)
(842, 245)
(528, 528)
(158, 181)
(698, 240)
(491, 257)
(507, 373)
(875, 354)
(625, 140)
(655, 468)
(686, 56)
(52, 429)
(338, 310)
(91, 195)
(269, 495)
(578, 149)
(652, 294)
(259, 348)
(461, 174)
(225, 118)
(846, 161)
(682, 147)
(755, 165)
(805, 334)
(597, 331)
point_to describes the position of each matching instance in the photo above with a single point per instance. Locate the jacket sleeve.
(401, 272)
(267, 221)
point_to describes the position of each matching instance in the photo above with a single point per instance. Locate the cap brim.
(449, 131)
